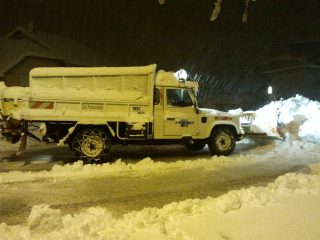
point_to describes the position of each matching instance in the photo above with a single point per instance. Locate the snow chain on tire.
(91, 144)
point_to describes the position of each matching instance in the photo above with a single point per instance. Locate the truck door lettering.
(92, 106)
(185, 122)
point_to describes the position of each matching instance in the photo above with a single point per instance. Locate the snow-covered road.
(173, 174)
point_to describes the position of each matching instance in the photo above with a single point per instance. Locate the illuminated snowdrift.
(298, 118)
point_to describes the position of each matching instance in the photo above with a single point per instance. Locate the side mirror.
(196, 107)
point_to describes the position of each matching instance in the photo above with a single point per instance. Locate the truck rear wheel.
(222, 141)
(91, 144)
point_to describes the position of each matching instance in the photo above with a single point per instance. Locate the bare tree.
(217, 8)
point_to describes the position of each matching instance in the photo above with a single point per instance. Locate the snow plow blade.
(263, 135)
(247, 123)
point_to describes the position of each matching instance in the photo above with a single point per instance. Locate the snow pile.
(298, 117)
(43, 219)
(253, 213)
(148, 167)
(119, 168)
(14, 92)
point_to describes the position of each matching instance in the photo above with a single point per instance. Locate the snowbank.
(147, 166)
(119, 168)
(298, 117)
(277, 211)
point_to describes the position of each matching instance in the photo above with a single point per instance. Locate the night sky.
(177, 34)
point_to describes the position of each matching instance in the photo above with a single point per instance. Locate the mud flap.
(22, 145)
(23, 142)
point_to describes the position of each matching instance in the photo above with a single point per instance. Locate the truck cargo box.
(115, 93)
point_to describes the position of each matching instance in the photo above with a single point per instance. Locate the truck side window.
(179, 97)
(156, 96)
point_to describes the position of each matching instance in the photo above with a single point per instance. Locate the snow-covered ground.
(286, 208)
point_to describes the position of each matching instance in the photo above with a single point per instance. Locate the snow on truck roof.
(163, 78)
(91, 71)
(168, 79)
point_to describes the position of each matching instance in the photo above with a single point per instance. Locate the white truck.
(90, 109)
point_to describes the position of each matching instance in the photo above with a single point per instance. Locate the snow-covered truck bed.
(87, 94)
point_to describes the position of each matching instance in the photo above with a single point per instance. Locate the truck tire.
(222, 141)
(196, 145)
(91, 144)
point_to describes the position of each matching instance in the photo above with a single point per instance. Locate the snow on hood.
(215, 112)
(236, 112)
(298, 117)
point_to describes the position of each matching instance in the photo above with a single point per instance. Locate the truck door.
(180, 117)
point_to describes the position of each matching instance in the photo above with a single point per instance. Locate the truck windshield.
(179, 97)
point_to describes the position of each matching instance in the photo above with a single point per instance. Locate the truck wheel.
(222, 142)
(196, 145)
(91, 144)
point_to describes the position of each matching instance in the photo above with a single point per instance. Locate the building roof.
(21, 43)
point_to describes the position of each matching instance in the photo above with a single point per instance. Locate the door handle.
(170, 118)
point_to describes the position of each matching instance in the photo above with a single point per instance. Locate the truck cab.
(177, 116)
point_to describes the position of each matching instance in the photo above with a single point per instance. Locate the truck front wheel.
(91, 144)
(222, 141)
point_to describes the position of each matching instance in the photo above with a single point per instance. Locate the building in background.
(297, 71)
(23, 49)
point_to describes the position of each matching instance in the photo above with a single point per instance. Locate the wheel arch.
(80, 126)
(224, 126)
